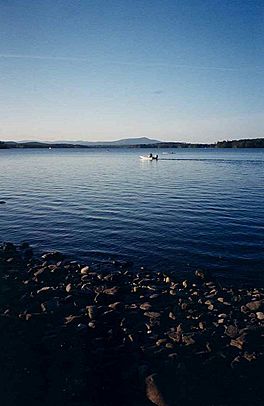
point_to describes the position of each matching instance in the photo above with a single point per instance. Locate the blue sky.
(183, 70)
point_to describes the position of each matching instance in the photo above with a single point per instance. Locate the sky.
(173, 70)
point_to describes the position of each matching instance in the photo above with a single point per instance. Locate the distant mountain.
(133, 143)
(125, 141)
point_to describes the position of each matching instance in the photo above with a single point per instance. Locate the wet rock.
(45, 292)
(85, 270)
(92, 311)
(152, 315)
(145, 306)
(53, 256)
(51, 305)
(260, 315)
(255, 305)
(154, 391)
(24, 245)
(161, 341)
(175, 336)
(172, 316)
(231, 331)
(249, 357)
(116, 306)
(188, 339)
(8, 247)
(112, 291)
(73, 320)
(239, 342)
(201, 274)
(244, 309)
(68, 288)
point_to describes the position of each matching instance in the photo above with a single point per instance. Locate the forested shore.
(243, 143)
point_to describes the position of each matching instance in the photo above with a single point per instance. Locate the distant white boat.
(149, 158)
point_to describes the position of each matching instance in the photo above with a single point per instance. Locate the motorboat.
(149, 157)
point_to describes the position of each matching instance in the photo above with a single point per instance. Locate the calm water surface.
(192, 209)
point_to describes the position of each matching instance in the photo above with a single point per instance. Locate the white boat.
(149, 158)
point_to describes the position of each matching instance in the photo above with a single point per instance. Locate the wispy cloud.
(131, 63)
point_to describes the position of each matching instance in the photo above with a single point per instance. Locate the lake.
(195, 208)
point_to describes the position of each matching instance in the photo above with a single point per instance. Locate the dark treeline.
(22, 145)
(245, 143)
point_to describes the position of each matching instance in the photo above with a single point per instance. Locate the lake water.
(191, 209)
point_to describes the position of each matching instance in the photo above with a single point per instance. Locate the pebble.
(85, 270)
(254, 305)
(260, 315)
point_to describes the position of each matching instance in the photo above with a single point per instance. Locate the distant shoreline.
(243, 143)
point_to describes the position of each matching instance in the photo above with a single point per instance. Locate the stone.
(249, 357)
(260, 315)
(92, 311)
(161, 341)
(145, 306)
(231, 331)
(85, 270)
(54, 256)
(45, 292)
(200, 274)
(73, 320)
(24, 245)
(8, 247)
(175, 336)
(111, 291)
(153, 391)
(152, 315)
(116, 306)
(188, 339)
(244, 309)
(68, 287)
(254, 305)
(239, 342)
(51, 305)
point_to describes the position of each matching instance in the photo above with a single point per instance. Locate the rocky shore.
(76, 336)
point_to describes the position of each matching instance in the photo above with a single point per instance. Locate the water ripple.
(201, 208)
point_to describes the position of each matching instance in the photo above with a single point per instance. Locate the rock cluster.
(71, 335)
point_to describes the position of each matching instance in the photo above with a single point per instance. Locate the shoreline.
(77, 337)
